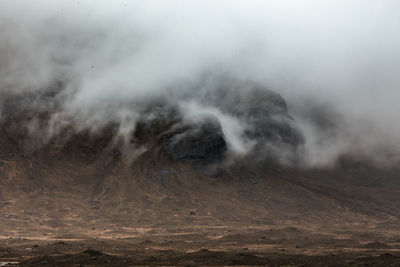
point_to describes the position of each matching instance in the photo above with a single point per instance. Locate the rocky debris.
(376, 245)
(163, 177)
(93, 253)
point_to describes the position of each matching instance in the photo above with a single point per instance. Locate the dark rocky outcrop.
(198, 143)
(160, 123)
(264, 111)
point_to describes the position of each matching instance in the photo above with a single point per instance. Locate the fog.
(335, 62)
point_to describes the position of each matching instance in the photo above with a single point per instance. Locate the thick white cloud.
(342, 54)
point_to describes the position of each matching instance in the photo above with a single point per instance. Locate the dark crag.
(42, 119)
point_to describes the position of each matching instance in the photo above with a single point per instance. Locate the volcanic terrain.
(172, 192)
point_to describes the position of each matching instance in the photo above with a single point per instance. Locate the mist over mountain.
(304, 81)
(199, 133)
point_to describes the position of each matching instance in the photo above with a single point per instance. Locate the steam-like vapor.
(336, 63)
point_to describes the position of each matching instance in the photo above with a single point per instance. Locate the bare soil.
(79, 203)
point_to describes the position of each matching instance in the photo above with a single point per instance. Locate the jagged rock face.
(262, 113)
(199, 143)
(265, 112)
